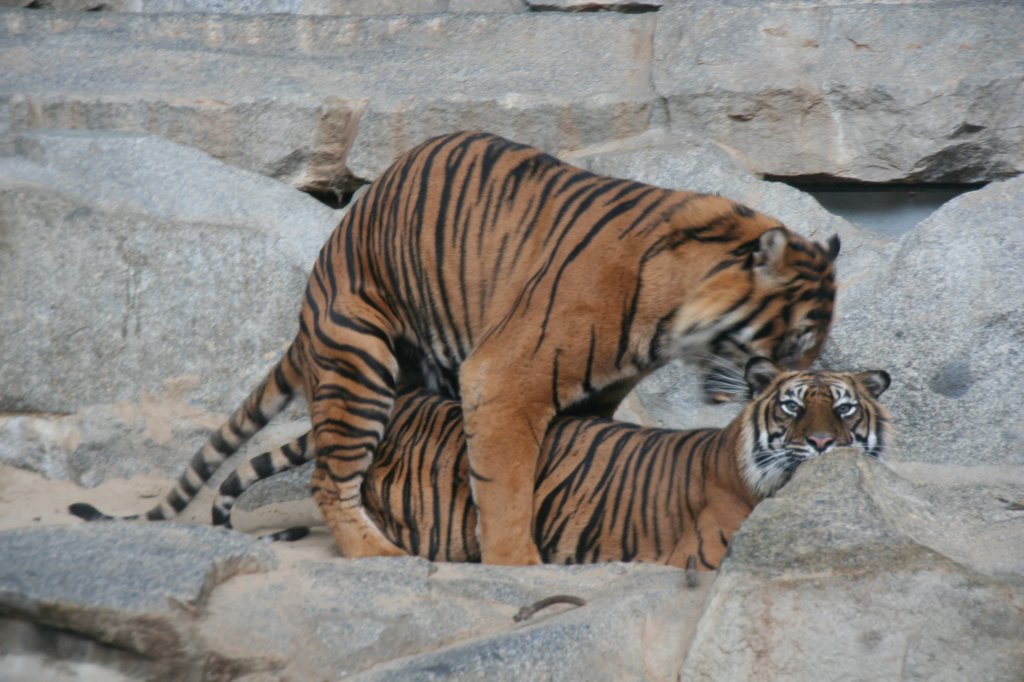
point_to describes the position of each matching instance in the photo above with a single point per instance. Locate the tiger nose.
(821, 441)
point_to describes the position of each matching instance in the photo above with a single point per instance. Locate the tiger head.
(797, 416)
(770, 294)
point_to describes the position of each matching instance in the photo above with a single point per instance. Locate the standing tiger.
(491, 272)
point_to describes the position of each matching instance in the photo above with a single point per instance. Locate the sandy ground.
(29, 500)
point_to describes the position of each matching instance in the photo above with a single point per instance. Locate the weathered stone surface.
(925, 91)
(672, 396)
(149, 436)
(852, 569)
(863, 90)
(132, 585)
(391, 125)
(281, 95)
(161, 591)
(287, 487)
(409, 619)
(944, 317)
(130, 260)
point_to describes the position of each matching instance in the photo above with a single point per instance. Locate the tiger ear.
(771, 249)
(875, 381)
(759, 374)
(833, 247)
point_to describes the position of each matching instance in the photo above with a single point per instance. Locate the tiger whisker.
(712, 359)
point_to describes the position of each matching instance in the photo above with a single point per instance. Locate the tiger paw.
(374, 545)
(359, 540)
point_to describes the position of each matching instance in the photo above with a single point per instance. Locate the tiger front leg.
(708, 537)
(348, 420)
(505, 422)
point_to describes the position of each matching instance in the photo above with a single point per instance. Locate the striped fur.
(493, 273)
(609, 491)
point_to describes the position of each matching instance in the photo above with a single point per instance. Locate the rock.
(858, 91)
(944, 318)
(408, 619)
(130, 585)
(288, 97)
(289, 486)
(108, 235)
(174, 610)
(672, 396)
(863, 91)
(851, 568)
(150, 436)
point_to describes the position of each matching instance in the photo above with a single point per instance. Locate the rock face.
(154, 434)
(852, 562)
(945, 315)
(126, 585)
(314, 104)
(161, 594)
(127, 258)
(861, 90)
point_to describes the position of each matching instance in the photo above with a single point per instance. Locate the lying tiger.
(606, 490)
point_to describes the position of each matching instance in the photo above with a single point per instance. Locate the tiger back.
(610, 491)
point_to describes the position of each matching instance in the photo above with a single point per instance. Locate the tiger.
(606, 490)
(610, 491)
(494, 274)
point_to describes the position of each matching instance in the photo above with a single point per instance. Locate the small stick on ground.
(527, 612)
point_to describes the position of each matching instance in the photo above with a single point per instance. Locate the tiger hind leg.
(263, 404)
(350, 407)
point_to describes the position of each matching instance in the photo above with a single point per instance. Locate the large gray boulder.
(923, 91)
(257, 7)
(153, 435)
(408, 619)
(856, 572)
(945, 318)
(191, 603)
(132, 586)
(130, 260)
